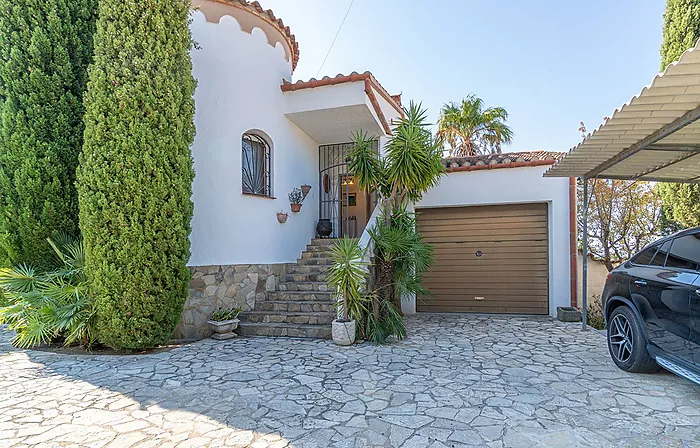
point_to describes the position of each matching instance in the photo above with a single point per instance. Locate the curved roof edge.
(268, 17)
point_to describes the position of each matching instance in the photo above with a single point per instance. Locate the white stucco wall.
(509, 186)
(239, 76)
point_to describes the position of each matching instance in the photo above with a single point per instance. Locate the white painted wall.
(508, 186)
(239, 76)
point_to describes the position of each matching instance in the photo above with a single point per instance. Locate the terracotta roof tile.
(393, 100)
(504, 160)
(370, 84)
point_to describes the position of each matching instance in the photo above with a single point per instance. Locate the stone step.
(312, 269)
(323, 241)
(281, 329)
(326, 250)
(306, 278)
(300, 296)
(288, 317)
(308, 306)
(323, 254)
(314, 261)
(304, 286)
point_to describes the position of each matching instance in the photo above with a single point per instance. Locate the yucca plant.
(402, 257)
(348, 275)
(43, 306)
(410, 166)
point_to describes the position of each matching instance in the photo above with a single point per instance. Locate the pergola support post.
(584, 285)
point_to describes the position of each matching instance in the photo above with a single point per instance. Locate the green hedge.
(45, 49)
(135, 177)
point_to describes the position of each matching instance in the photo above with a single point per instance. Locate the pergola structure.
(653, 137)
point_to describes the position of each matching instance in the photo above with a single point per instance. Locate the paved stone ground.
(457, 381)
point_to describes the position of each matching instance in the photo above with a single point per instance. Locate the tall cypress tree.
(681, 32)
(45, 50)
(681, 29)
(135, 176)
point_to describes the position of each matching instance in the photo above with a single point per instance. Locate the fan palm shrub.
(43, 306)
(470, 128)
(412, 165)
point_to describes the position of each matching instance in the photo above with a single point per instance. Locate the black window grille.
(256, 165)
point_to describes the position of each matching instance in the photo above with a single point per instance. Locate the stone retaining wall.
(230, 286)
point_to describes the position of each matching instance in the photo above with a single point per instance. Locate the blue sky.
(551, 64)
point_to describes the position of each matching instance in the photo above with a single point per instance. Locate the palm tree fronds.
(21, 278)
(471, 129)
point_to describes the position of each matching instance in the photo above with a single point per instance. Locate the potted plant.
(223, 321)
(296, 197)
(347, 274)
(282, 217)
(305, 189)
(324, 228)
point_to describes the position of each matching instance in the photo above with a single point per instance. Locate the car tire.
(627, 344)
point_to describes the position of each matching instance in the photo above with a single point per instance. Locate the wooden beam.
(677, 124)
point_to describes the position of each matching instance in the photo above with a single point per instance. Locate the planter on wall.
(282, 217)
(296, 208)
(305, 189)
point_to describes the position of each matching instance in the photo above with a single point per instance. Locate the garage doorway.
(488, 259)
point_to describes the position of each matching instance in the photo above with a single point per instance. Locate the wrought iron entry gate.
(335, 186)
(333, 172)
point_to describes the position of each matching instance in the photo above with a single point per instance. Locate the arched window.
(255, 158)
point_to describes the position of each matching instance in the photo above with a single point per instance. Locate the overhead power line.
(335, 38)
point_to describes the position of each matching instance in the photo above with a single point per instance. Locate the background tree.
(469, 128)
(412, 165)
(135, 177)
(681, 31)
(45, 50)
(623, 217)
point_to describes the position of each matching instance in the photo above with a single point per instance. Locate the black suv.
(652, 308)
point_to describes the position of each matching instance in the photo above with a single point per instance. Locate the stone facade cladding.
(225, 286)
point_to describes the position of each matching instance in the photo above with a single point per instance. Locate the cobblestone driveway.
(457, 381)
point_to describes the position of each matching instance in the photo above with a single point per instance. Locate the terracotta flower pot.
(305, 189)
(282, 217)
(296, 208)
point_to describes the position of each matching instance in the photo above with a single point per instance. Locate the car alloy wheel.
(620, 337)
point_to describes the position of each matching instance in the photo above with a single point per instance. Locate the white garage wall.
(509, 186)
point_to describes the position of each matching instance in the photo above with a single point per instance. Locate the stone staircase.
(302, 305)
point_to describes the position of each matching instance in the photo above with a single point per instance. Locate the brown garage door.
(488, 259)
